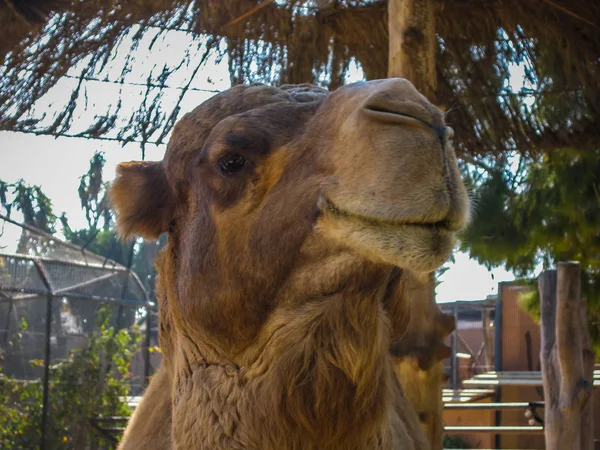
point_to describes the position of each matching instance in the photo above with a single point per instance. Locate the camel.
(292, 214)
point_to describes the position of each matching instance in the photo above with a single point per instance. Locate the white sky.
(56, 164)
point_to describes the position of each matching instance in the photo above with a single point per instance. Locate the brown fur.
(142, 196)
(277, 289)
(420, 353)
(428, 327)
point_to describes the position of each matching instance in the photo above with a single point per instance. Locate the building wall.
(520, 351)
(517, 355)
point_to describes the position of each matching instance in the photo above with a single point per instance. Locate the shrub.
(454, 442)
(91, 382)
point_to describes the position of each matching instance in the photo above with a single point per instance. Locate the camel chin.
(422, 248)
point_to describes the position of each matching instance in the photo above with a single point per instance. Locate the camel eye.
(231, 163)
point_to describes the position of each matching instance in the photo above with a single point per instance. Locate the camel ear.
(143, 199)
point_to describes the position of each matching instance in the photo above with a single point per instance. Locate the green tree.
(101, 237)
(35, 206)
(538, 210)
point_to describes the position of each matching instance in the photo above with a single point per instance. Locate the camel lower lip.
(327, 205)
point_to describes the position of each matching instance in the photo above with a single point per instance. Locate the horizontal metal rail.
(109, 265)
(111, 419)
(114, 429)
(518, 373)
(38, 232)
(106, 276)
(108, 272)
(494, 430)
(494, 406)
(525, 381)
(98, 298)
(465, 395)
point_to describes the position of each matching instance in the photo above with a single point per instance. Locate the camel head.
(255, 171)
(288, 210)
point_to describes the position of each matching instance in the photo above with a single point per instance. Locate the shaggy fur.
(280, 288)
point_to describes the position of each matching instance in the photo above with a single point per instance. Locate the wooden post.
(412, 53)
(412, 43)
(567, 360)
(454, 346)
(487, 340)
(498, 327)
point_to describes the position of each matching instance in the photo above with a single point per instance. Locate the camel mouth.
(393, 114)
(444, 225)
(397, 116)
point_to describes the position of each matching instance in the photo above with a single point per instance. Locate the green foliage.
(98, 237)
(35, 206)
(545, 211)
(454, 442)
(529, 298)
(530, 302)
(90, 382)
(101, 237)
(551, 214)
(93, 194)
(102, 242)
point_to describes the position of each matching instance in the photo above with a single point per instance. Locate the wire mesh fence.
(57, 290)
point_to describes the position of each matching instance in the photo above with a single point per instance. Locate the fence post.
(566, 358)
(498, 327)
(147, 346)
(487, 340)
(46, 388)
(454, 344)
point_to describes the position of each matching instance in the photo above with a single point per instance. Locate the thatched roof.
(294, 41)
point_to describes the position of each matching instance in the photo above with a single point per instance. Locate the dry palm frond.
(295, 41)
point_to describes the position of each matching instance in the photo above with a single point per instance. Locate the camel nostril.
(444, 133)
(441, 133)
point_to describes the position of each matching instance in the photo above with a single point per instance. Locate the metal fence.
(473, 340)
(58, 288)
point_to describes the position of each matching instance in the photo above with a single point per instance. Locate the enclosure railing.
(57, 288)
